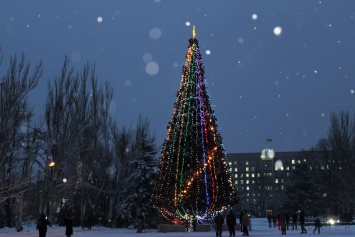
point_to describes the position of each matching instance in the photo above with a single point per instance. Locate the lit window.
(230, 163)
(247, 163)
(247, 181)
(235, 169)
(276, 181)
(236, 176)
(247, 169)
(236, 181)
(293, 162)
(247, 175)
(247, 189)
(253, 175)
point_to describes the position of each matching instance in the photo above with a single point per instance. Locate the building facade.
(261, 181)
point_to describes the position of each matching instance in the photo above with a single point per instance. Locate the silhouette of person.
(231, 222)
(68, 222)
(317, 225)
(294, 220)
(302, 222)
(219, 220)
(245, 223)
(42, 225)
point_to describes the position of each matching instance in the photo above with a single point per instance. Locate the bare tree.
(15, 122)
(338, 152)
(120, 170)
(77, 116)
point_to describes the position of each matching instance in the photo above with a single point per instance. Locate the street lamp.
(51, 165)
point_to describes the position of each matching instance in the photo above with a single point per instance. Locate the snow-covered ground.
(259, 228)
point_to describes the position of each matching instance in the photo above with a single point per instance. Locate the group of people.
(283, 221)
(244, 220)
(43, 222)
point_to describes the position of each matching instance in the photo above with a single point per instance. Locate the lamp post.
(268, 155)
(51, 165)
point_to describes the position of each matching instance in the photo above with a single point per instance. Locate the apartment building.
(261, 179)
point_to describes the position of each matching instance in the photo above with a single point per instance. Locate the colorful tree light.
(193, 178)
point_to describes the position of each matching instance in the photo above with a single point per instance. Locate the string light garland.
(193, 178)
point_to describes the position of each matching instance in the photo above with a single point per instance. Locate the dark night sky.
(262, 84)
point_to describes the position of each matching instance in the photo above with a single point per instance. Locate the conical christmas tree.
(193, 178)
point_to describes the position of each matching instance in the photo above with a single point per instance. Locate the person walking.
(294, 220)
(317, 225)
(231, 222)
(219, 220)
(283, 223)
(194, 223)
(240, 220)
(42, 225)
(287, 218)
(269, 219)
(68, 222)
(245, 223)
(278, 220)
(302, 222)
(90, 221)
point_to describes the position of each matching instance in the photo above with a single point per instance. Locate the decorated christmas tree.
(193, 178)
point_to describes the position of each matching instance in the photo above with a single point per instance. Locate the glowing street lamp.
(51, 165)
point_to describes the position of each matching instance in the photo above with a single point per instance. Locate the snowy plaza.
(259, 228)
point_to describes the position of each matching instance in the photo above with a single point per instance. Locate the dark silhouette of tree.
(337, 151)
(328, 180)
(15, 128)
(77, 119)
(304, 187)
(104, 166)
(132, 173)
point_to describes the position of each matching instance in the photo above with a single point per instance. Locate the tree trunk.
(82, 209)
(8, 213)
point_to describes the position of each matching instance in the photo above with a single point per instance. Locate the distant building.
(258, 182)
